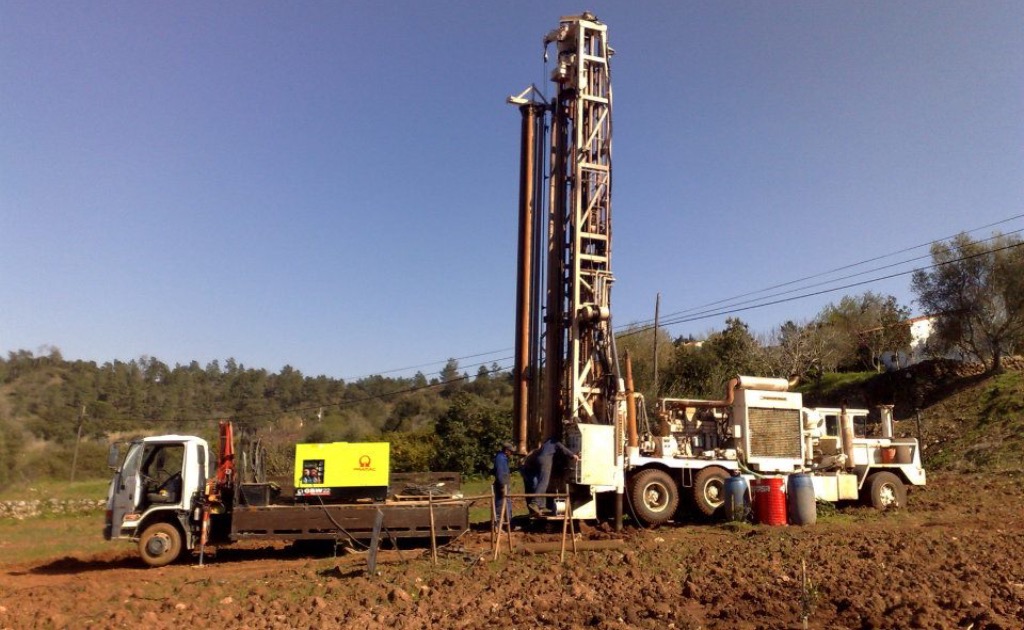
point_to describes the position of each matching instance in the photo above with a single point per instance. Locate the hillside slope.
(968, 421)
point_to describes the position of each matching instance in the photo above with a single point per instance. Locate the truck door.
(127, 488)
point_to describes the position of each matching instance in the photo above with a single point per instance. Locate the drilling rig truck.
(567, 379)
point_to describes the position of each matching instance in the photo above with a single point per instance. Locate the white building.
(921, 329)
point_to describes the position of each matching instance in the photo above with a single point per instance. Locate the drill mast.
(567, 341)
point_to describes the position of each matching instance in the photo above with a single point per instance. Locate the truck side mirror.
(113, 457)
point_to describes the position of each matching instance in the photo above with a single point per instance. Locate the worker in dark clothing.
(502, 481)
(530, 470)
(545, 463)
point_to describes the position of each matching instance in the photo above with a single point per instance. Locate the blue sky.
(333, 185)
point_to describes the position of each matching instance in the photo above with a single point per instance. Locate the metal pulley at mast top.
(566, 365)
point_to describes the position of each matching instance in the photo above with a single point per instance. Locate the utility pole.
(657, 308)
(78, 441)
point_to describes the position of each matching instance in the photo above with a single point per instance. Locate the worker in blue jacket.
(530, 470)
(502, 481)
(545, 462)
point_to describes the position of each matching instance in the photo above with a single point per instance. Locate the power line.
(726, 305)
(689, 313)
(421, 365)
(698, 317)
(840, 268)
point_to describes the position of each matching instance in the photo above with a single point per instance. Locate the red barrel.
(769, 501)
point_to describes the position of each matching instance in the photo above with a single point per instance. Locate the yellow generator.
(342, 472)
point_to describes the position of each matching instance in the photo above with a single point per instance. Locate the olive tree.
(975, 290)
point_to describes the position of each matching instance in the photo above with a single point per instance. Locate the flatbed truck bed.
(401, 519)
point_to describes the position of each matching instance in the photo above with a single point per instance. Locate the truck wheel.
(160, 544)
(655, 496)
(709, 489)
(885, 491)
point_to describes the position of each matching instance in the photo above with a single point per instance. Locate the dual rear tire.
(655, 494)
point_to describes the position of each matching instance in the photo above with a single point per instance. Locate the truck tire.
(655, 496)
(885, 491)
(160, 544)
(709, 490)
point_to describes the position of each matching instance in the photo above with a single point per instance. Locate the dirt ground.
(954, 559)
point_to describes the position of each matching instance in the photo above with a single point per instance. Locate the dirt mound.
(955, 559)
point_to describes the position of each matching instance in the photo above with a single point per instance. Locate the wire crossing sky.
(333, 186)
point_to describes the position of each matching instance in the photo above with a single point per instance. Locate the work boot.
(535, 509)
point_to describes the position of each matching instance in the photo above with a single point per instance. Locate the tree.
(804, 350)
(639, 342)
(892, 335)
(469, 432)
(736, 349)
(453, 381)
(691, 372)
(11, 444)
(865, 327)
(703, 369)
(975, 289)
(411, 451)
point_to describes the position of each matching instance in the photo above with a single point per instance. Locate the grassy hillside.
(980, 427)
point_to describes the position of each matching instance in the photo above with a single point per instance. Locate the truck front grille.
(774, 432)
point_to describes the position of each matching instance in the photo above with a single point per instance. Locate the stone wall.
(32, 508)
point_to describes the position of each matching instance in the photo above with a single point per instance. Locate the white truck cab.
(154, 495)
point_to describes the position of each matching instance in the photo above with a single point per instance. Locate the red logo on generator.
(364, 462)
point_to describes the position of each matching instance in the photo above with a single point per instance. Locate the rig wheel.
(885, 491)
(655, 496)
(160, 544)
(709, 490)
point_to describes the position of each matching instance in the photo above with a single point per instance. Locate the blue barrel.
(737, 500)
(800, 500)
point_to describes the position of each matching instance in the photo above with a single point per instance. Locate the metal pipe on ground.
(586, 545)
